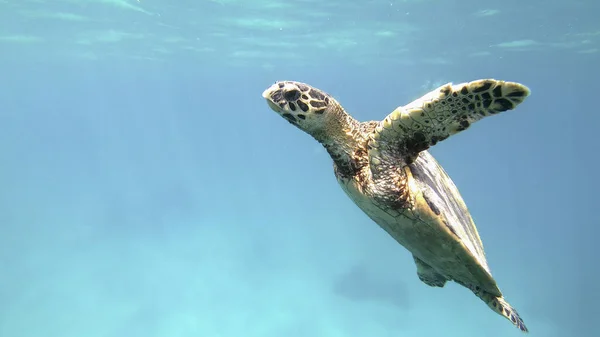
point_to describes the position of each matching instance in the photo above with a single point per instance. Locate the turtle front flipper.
(428, 275)
(442, 113)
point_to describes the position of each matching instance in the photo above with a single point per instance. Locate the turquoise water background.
(146, 189)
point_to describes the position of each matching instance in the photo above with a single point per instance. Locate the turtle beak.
(274, 106)
(267, 95)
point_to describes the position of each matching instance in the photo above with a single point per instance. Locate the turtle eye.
(291, 95)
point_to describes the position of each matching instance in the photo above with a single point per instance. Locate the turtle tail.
(501, 306)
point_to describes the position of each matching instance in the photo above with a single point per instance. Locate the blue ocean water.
(147, 190)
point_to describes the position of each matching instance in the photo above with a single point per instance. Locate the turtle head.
(321, 116)
(308, 108)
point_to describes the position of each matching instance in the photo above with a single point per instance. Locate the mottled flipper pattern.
(444, 112)
(499, 305)
(429, 276)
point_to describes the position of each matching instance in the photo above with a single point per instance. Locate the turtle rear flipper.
(428, 275)
(502, 307)
(499, 305)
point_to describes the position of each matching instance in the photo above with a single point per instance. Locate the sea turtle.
(385, 168)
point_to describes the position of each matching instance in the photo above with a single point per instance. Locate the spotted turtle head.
(300, 104)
